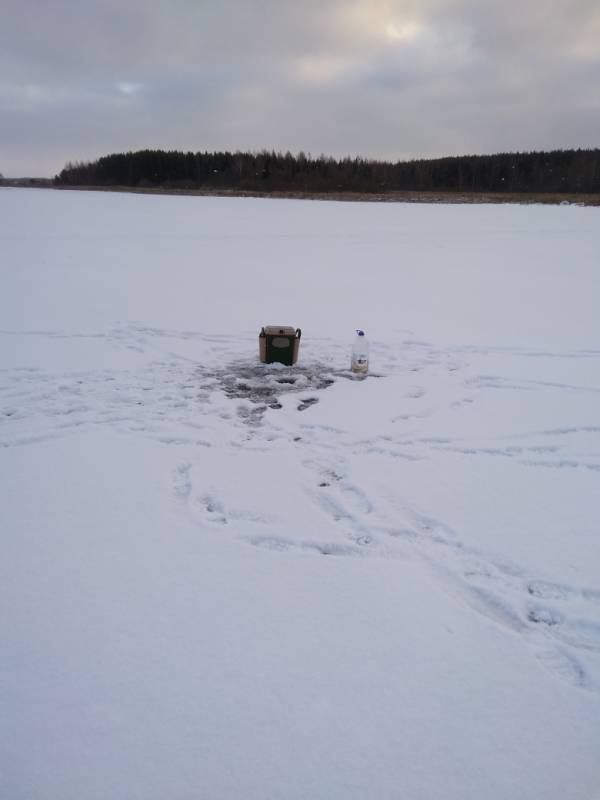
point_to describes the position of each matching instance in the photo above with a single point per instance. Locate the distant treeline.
(556, 171)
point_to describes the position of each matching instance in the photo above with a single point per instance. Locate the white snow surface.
(227, 580)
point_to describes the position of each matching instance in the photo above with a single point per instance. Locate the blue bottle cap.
(360, 333)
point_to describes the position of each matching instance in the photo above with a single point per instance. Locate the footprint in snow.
(307, 402)
(415, 392)
(565, 666)
(212, 508)
(316, 548)
(182, 485)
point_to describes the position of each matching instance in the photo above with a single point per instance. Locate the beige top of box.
(280, 330)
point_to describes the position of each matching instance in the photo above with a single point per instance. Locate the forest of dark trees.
(558, 171)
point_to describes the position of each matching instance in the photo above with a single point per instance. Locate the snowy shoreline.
(428, 197)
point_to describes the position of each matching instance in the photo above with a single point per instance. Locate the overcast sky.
(378, 78)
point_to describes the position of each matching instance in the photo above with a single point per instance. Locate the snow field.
(171, 625)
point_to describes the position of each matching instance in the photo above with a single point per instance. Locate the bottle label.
(360, 364)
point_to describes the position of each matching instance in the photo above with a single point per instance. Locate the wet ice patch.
(266, 383)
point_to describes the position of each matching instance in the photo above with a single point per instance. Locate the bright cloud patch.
(129, 88)
(406, 32)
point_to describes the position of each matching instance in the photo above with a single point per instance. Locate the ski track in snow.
(181, 402)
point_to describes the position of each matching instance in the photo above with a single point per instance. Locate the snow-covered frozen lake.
(226, 580)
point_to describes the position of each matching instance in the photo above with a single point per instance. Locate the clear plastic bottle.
(360, 354)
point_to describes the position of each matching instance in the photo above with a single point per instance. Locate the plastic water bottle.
(360, 354)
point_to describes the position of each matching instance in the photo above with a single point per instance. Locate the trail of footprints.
(173, 401)
(558, 621)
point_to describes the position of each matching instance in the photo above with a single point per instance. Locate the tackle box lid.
(279, 330)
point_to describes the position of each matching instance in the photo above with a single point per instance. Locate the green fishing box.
(279, 343)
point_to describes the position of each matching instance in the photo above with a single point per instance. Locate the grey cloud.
(390, 78)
